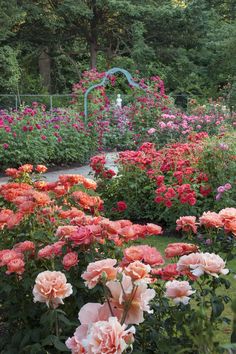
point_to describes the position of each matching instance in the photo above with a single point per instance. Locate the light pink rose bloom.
(179, 291)
(200, 263)
(189, 262)
(138, 272)
(96, 270)
(75, 343)
(51, 288)
(140, 296)
(151, 131)
(211, 219)
(212, 264)
(227, 214)
(108, 337)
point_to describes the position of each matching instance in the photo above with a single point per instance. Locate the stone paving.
(83, 170)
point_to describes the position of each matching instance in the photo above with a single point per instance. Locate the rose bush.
(176, 180)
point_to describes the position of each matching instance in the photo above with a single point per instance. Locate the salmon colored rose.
(96, 270)
(211, 219)
(51, 288)
(179, 291)
(153, 229)
(179, 249)
(138, 271)
(187, 224)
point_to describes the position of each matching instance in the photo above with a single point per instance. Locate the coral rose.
(153, 229)
(41, 168)
(16, 265)
(179, 249)
(211, 219)
(96, 270)
(179, 291)
(187, 224)
(51, 288)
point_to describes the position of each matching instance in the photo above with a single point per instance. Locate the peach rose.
(138, 298)
(153, 229)
(41, 168)
(75, 343)
(51, 288)
(152, 256)
(27, 168)
(187, 224)
(133, 253)
(108, 337)
(70, 260)
(230, 226)
(169, 272)
(96, 270)
(179, 249)
(179, 291)
(138, 271)
(211, 219)
(227, 214)
(89, 184)
(66, 231)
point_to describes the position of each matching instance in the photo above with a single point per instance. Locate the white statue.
(119, 101)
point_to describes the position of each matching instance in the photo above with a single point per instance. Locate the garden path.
(82, 170)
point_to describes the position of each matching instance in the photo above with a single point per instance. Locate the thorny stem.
(127, 305)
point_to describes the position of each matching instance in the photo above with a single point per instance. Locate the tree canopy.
(45, 45)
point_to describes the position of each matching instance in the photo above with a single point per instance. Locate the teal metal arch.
(103, 83)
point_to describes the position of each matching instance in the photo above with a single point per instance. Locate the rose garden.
(139, 259)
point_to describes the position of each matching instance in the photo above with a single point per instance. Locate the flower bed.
(179, 179)
(60, 256)
(35, 136)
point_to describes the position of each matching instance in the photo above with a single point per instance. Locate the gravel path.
(83, 170)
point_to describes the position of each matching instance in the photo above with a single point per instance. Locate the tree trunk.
(44, 62)
(93, 55)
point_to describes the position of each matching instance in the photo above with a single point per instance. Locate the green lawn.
(160, 242)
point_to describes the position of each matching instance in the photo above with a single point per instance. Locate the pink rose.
(70, 260)
(96, 270)
(51, 288)
(187, 224)
(151, 131)
(200, 263)
(179, 291)
(16, 265)
(179, 249)
(108, 337)
(153, 229)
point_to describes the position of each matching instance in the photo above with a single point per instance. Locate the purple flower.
(221, 189)
(223, 146)
(218, 196)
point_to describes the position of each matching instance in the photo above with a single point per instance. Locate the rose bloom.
(144, 253)
(70, 260)
(108, 337)
(121, 206)
(66, 231)
(7, 256)
(138, 271)
(125, 292)
(230, 226)
(187, 224)
(12, 172)
(16, 265)
(41, 168)
(96, 270)
(169, 272)
(179, 291)
(153, 229)
(227, 214)
(25, 246)
(51, 288)
(27, 168)
(211, 219)
(179, 249)
(89, 184)
(200, 263)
